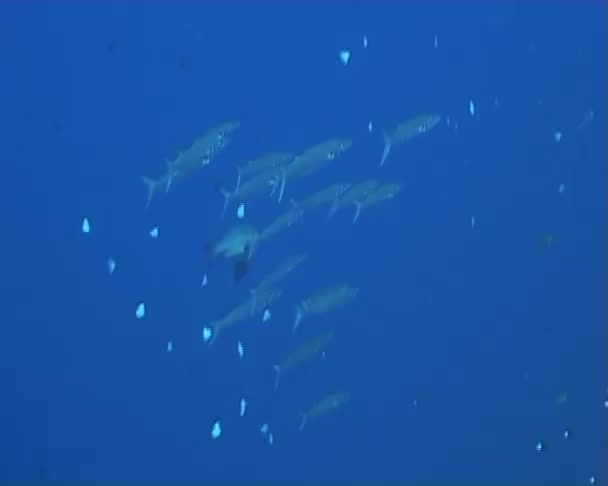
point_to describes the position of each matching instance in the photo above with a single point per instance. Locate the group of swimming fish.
(272, 173)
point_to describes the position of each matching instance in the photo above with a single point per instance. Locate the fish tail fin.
(283, 182)
(298, 318)
(151, 184)
(357, 211)
(387, 148)
(303, 418)
(277, 376)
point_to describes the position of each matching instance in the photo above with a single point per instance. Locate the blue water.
(462, 338)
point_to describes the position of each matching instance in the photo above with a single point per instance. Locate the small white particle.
(267, 315)
(169, 346)
(86, 226)
(435, 41)
(216, 430)
(240, 349)
(240, 211)
(345, 56)
(471, 107)
(591, 479)
(566, 434)
(242, 406)
(154, 232)
(540, 446)
(264, 429)
(561, 188)
(472, 221)
(204, 281)
(270, 438)
(140, 311)
(111, 266)
(557, 136)
(365, 42)
(370, 126)
(207, 334)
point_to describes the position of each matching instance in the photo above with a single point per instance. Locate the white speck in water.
(472, 221)
(140, 310)
(471, 108)
(561, 188)
(243, 406)
(111, 266)
(436, 41)
(264, 429)
(370, 126)
(345, 56)
(207, 333)
(154, 232)
(566, 434)
(267, 315)
(86, 226)
(240, 211)
(591, 479)
(540, 446)
(240, 349)
(169, 346)
(216, 430)
(557, 136)
(204, 281)
(270, 438)
(365, 42)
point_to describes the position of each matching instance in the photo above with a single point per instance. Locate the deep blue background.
(483, 327)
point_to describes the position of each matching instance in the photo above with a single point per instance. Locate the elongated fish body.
(324, 300)
(249, 188)
(313, 159)
(382, 194)
(264, 163)
(355, 193)
(244, 311)
(304, 352)
(415, 126)
(286, 220)
(408, 130)
(326, 404)
(328, 195)
(281, 271)
(235, 241)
